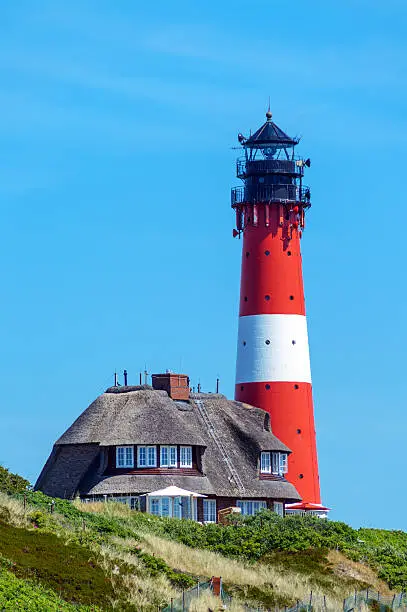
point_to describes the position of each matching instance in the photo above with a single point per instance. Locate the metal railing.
(313, 603)
(246, 168)
(270, 193)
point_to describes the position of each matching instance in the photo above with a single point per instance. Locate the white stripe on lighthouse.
(274, 348)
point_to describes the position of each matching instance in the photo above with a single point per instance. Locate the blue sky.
(117, 122)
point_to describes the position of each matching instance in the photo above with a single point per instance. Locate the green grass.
(67, 568)
(251, 538)
(98, 554)
(17, 594)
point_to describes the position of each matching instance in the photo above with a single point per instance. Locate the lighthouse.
(273, 365)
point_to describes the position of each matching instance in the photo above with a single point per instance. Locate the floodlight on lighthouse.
(303, 162)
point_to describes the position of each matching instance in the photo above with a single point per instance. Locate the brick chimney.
(176, 385)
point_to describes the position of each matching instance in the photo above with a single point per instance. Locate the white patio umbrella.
(173, 491)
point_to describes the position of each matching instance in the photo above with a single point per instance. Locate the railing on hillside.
(353, 603)
(188, 597)
(369, 596)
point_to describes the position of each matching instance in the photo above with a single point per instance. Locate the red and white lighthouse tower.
(273, 365)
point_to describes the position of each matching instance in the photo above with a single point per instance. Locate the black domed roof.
(270, 134)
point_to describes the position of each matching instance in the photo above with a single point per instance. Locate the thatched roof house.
(132, 441)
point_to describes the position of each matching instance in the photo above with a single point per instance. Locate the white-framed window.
(124, 456)
(249, 507)
(283, 463)
(168, 456)
(278, 508)
(279, 463)
(130, 500)
(146, 456)
(265, 463)
(186, 456)
(209, 510)
(155, 505)
(178, 507)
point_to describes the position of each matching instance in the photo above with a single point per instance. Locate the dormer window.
(146, 456)
(274, 463)
(186, 456)
(168, 456)
(125, 457)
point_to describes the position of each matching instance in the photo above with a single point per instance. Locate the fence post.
(367, 594)
(198, 589)
(310, 599)
(356, 595)
(172, 604)
(324, 602)
(183, 600)
(378, 596)
(344, 604)
(392, 603)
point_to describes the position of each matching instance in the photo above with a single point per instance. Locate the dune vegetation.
(62, 555)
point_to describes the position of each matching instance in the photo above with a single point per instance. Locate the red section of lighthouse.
(273, 366)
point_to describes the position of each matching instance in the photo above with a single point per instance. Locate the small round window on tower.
(267, 253)
(267, 297)
(288, 253)
(296, 386)
(267, 341)
(267, 387)
(244, 342)
(301, 476)
(242, 388)
(247, 253)
(293, 342)
(245, 298)
(298, 431)
(291, 297)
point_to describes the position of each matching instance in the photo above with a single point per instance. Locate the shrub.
(12, 483)
(156, 565)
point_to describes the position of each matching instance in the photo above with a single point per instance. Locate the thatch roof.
(141, 415)
(135, 415)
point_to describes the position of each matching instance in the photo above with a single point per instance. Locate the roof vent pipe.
(125, 378)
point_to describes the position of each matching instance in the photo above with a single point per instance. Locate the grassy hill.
(104, 556)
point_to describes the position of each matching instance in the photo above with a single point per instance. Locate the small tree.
(12, 483)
